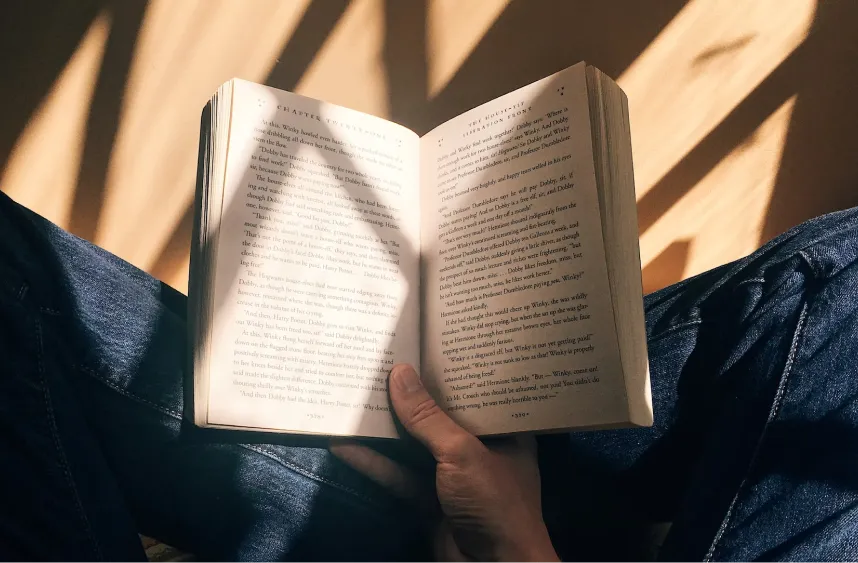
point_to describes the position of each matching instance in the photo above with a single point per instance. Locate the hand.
(489, 495)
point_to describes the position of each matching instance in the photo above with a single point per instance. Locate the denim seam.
(750, 280)
(63, 461)
(90, 372)
(22, 292)
(258, 450)
(672, 328)
(773, 412)
(814, 266)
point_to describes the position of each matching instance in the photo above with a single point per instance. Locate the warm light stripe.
(454, 29)
(42, 170)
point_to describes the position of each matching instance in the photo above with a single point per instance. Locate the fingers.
(424, 419)
(381, 469)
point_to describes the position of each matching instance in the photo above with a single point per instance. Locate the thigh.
(60, 499)
(743, 359)
(108, 350)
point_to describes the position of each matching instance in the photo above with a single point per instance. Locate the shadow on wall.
(527, 41)
(667, 267)
(817, 172)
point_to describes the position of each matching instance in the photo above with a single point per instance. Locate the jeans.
(753, 455)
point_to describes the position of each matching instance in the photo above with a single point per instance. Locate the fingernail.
(406, 378)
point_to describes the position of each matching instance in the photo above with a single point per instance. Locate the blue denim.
(754, 454)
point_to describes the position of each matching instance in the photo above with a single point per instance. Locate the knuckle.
(458, 448)
(423, 410)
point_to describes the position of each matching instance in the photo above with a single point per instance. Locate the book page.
(518, 328)
(316, 276)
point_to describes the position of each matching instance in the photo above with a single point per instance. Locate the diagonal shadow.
(202, 17)
(283, 77)
(407, 91)
(818, 172)
(323, 463)
(533, 39)
(405, 60)
(666, 268)
(405, 56)
(316, 24)
(736, 128)
(174, 253)
(29, 63)
(102, 123)
(404, 49)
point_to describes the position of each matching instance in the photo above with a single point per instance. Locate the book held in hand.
(498, 254)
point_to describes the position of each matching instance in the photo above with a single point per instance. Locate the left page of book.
(317, 267)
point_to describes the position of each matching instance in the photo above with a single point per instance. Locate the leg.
(754, 453)
(92, 437)
(92, 428)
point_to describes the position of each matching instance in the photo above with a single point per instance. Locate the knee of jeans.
(828, 243)
(802, 261)
(824, 376)
(832, 304)
(833, 257)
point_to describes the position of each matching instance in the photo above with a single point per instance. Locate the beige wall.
(743, 113)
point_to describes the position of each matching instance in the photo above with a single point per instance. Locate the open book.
(498, 254)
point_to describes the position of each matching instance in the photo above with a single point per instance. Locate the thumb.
(423, 418)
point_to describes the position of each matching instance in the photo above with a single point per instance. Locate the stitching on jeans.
(773, 412)
(678, 326)
(814, 266)
(305, 472)
(751, 280)
(23, 291)
(52, 422)
(257, 449)
(126, 393)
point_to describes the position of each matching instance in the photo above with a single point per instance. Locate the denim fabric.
(754, 454)
(94, 447)
(754, 451)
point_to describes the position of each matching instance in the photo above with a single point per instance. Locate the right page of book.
(518, 333)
